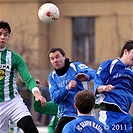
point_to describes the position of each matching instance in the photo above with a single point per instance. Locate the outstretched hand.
(39, 97)
(81, 77)
(37, 94)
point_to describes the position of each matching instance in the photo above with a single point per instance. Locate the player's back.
(84, 124)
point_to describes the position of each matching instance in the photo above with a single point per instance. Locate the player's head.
(4, 25)
(128, 46)
(57, 57)
(84, 101)
(5, 31)
(127, 53)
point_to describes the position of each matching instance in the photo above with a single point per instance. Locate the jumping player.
(64, 82)
(113, 86)
(12, 106)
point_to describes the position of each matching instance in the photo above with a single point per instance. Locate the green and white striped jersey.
(10, 64)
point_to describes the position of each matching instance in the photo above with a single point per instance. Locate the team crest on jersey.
(2, 74)
(82, 66)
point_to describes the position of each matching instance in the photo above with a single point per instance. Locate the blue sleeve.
(102, 74)
(82, 68)
(57, 94)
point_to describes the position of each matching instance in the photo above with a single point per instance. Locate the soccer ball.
(48, 13)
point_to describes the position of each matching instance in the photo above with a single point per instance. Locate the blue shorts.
(117, 122)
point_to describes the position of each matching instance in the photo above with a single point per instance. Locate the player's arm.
(101, 78)
(28, 79)
(82, 77)
(57, 94)
(85, 72)
(49, 109)
(24, 73)
(106, 88)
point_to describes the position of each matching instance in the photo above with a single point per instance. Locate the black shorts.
(62, 122)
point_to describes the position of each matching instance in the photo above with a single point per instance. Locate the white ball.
(48, 13)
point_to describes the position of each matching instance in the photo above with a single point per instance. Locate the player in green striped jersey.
(12, 106)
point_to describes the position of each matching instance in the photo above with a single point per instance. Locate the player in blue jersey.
(84, 102)
(12, 106)
(113, 86)
(64, 82)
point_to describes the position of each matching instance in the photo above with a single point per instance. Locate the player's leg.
(21, 116)
(5, 109)
(62, 122)
(27, 125)
(52, 124)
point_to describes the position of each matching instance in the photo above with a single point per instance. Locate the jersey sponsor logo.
(2, 74)
(63, 83)
(117, 75)
(4, 66)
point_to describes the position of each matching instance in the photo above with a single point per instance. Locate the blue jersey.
(85, 124)
(119, 75)
(59, 91)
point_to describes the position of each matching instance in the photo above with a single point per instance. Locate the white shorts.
(13, 110)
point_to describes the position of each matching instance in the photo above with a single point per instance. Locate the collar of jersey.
(2, 49)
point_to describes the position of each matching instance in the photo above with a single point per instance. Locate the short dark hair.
(84, 101)
(5, 26)
(52, 50)
(128, 45)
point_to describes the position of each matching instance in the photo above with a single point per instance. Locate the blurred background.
(90, 31)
